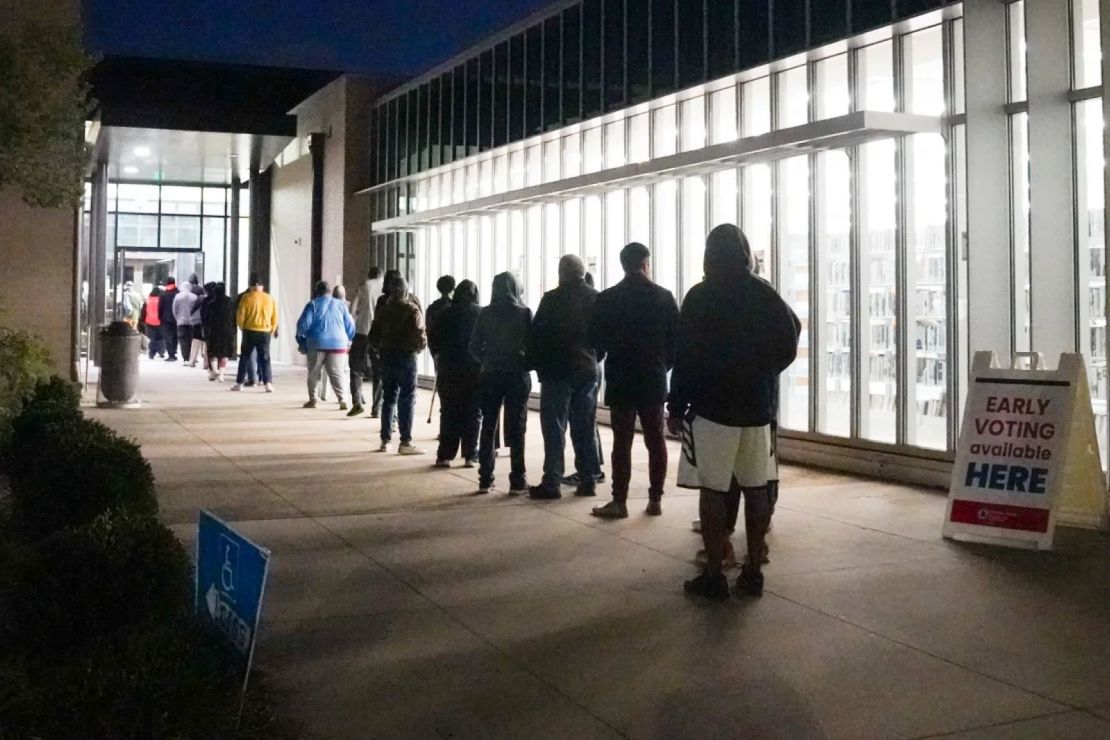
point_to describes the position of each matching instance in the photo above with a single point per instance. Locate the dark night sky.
(389, 37)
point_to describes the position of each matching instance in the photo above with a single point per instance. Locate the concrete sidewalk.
(402, 605)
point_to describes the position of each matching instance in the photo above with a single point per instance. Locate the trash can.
(119, 366)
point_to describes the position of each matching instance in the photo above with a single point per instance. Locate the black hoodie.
(500, 337)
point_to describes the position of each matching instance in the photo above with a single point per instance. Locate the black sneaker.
(585, 491)
(749, 582)
(543, 494)
(713, 587)
(612, 510)
(355, 410)
(574, 479)
(654, 507)
(249, 384)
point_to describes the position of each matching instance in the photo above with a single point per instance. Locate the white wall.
(291, 253)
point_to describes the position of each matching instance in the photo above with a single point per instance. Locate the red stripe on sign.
(1001, 516)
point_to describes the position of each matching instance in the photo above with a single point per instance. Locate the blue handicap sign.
(231, 578)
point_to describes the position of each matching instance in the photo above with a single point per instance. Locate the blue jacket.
(325, 324)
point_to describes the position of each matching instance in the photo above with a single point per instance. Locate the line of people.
(723, 351)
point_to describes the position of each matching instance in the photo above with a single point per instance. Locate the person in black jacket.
(735, 336)
(566, 363)
(168, 324)
(634, 325)
(457, 374)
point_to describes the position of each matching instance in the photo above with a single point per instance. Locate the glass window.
(180, 232)
(533, 109)
(753, 44)
(614, 54)
(472, 106)
(835, 293)
(639, 51)
(662, 47)
(878, 290)
(1091, 236)
(591, 58)
(1088, 46)
(462, 252)
(137, 198)
(593, 234)
(793, 255)
(458, 185)
(516, 169)
(639, 138)
(133, 230)
(500, 242)
(213, 245)
(722, 198)
(958, 91)
(693, 124)
(485, 101)
(868, 14)
(720, 24)
(424, 149)
(828, 21)
(722, 111)
(445, 91)
(639, 216)
(591, 155)
(572, 155)
(691, 41)
(517, 245)
(533, 272)
(664, 139)
(572, 226)
(756, 107)
(458, 113)
(614, 144)
(876, 77)
(1021, 257)
(215, 201)
(572, 71)
(472, 184)
(789, 26)
(927, 262)
(552, 245)
(925, 72)
(485, 177)
(415, 125)
(1015, 29)
(694, 231)
(500, 94)
(551, 160)
(665, 233)
(500, 173)
(552, 69)
(793, 97)
(756, 207)
(517, 88)
(533, 165)
(614, 236)
(832, 94)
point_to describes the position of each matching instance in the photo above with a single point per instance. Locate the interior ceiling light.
(142, 151)
(129, 170)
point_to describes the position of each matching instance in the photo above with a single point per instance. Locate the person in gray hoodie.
(183, 304)
(362, 363)
(499, 344)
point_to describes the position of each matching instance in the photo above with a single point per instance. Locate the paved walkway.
(402, 605)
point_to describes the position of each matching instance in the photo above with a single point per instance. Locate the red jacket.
(151, 318)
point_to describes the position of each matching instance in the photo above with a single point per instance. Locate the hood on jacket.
(506, 290)
(465, 292)
(728, 256)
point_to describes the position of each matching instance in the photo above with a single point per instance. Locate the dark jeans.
(560, 402)
(376, 375)
(157, 344)
(169, 338)
(398, 392)
(460, 416)
(259, 342)
(185, 339)
(623, 420)
(359, 360)
(508, 390)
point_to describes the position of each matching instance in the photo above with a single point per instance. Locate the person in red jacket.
(152, 325)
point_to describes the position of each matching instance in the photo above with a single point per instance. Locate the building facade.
(915, 183)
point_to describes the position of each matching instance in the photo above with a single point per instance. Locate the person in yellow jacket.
(257, 317)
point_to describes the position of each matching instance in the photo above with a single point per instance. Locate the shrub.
(24, 361)
(115, 574)
(54, 401)
(81, 470)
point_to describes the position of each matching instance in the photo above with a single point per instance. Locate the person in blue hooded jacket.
(324, 333)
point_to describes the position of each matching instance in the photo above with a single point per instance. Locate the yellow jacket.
(257, 311)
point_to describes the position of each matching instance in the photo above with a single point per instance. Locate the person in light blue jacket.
(324, 333)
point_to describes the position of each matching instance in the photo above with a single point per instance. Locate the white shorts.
(714, 454)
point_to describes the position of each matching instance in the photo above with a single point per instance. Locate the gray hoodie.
(500, 337)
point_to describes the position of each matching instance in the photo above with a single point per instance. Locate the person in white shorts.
(735, 336)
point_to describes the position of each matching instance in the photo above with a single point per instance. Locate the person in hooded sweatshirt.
(148, 318)
(457, 374)
(362, 366)
(166, 319)
(220, 332)
(735, 336)
(499, 344)
(183, 304)
(324, 331)
(398, 335)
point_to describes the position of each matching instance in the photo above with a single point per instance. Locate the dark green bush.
(57, 392)
(54, 401)
(117, 573)
(81, 470)
(24, 361)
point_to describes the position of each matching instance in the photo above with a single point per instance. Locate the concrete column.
(98, 253)
(260, 208)
(233, 286)
(988, 187)
(1052, 180)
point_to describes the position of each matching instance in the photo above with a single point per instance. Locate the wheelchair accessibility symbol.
(229, 550)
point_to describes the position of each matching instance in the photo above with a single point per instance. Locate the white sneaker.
(408, 448)
(220, 378)
(237, 387)
(269, 387)
(383, 447)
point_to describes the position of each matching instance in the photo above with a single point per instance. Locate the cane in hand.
(435, 386)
